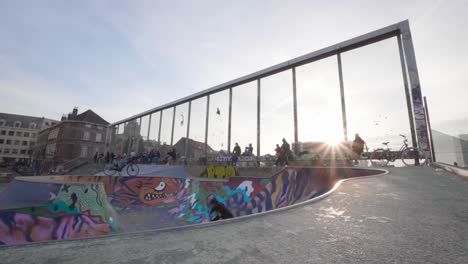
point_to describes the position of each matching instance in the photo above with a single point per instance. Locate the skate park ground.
(411, 215)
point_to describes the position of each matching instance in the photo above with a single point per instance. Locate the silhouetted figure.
(95, 157)
(357, 147)
(237, 150)
(157, 156)
(277, 150)
(171, 156)
(250, 149)
(220, 209)
(285, 151)
(107, 158)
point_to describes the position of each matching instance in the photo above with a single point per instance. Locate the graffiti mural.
(221, 172)
(76, 210)
(87, 206)
(420, 118)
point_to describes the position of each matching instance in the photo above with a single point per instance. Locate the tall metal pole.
(129, 135)
(206, 125)
(343, 102)
(173, 122)
(407, 92)
(418, 107)
(149, 126)
(229, 121)
(160, 124)
(258, 116)
(296, 134)
(139, 128)
(188, 131)
(431, 140)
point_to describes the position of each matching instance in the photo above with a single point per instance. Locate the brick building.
(18, 136)
(76, 137)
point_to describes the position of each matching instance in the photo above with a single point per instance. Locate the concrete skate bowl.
(37, 209)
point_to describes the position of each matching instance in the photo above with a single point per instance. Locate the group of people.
(153, 156)
(237, 152)
(107, 158)
(247, 152)
(283, 153)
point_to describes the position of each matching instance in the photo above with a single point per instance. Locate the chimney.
(75, 111)
(64, 117)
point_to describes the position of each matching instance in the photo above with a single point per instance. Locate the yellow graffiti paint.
(221, 172)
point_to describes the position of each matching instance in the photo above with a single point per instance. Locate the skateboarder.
(220, 209)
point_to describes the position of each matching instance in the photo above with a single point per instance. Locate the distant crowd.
(153, 156)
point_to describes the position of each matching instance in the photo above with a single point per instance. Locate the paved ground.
(409, 216)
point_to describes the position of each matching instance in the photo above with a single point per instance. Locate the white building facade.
(18, 136)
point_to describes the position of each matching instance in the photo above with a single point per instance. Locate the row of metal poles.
(258, 81)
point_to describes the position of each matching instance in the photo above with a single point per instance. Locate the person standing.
(107, 158)
(237, 150)
(112, 157)
(277, 150)
(95, 157)
(357, 147)
(250, 150)
(285, 151)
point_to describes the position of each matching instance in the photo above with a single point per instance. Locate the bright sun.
(333, 141)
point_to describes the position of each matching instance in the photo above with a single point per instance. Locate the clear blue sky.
(123, 57)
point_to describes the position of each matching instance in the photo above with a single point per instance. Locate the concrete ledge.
(452, 169)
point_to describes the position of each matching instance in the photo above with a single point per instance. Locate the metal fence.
(156, 127)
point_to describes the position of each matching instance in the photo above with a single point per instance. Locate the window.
(98, 137)
(2, 122)
(26, 134)
(86, 135)
(11, 133)
(50, 149)
(6, 151)
(8, 142)
(2, 141)
(19, 133)
(14, 151)
(53, 134)
(88, 125)
(32, 143)
(25, 143)
(47, 124)
(3, 132)
(100, 127)
(84, 151)
(17, 124)
(32, 125)
(53, 123)
(17, 142)
(0, 151)
(23, 151)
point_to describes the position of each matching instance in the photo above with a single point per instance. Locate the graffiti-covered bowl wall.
(66, 207)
